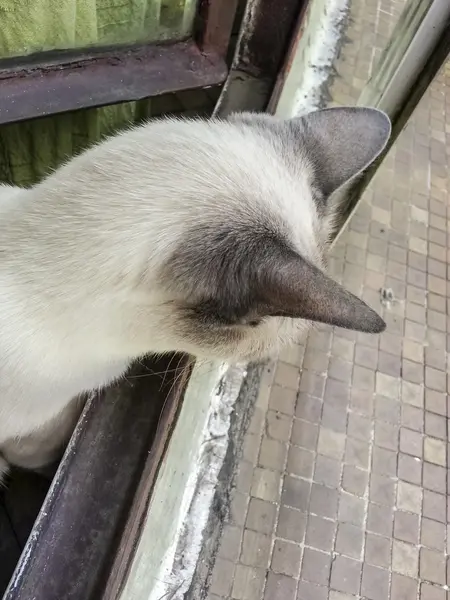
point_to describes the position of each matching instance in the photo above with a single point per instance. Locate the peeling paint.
(312, 66)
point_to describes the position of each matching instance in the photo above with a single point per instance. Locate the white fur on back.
(76, 248)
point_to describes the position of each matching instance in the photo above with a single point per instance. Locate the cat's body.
(184, 236)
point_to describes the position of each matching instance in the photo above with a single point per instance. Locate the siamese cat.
(200, 236)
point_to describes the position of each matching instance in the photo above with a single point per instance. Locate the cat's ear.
(299, 290)
(341, 142)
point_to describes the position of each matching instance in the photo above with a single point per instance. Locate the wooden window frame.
(54, 82)
(85, 536)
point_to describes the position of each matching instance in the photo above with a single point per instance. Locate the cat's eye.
(254, 322)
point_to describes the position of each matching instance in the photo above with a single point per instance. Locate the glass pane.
(39, 25)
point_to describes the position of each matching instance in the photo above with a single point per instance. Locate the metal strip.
(114, 453)
(108, 78)
(264, 40)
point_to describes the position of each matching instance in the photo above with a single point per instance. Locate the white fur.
(79, 252)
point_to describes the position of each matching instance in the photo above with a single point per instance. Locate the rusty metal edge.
(102, 486)
(141, 501)
(264, 40)
(289, 58)
(106, 78)
(214, 25)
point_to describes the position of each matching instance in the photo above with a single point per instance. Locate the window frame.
(54, 82)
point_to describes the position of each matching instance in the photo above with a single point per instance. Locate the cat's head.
(246, 275)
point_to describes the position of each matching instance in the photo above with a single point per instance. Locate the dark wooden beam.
(39, 89)
(100, 493)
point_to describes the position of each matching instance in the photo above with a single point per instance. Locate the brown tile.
(413, 351)
(336, 393)
(300, 462)
(320, 339)
(433, 356)
(327, 471)
(244, 477)
(409, 497)
(304, 434)
(405, 558)
(222, 577)
(366, 357)
(345, 575)
(282, 400)
(434, 478)
(406, 527)
(411, 442)
(331, 443)
(291, 524)
(296, 493)
(412, 394)
(382, 490)
(255, 549)
(309, 591)
(354, 480)
(320, 533)
(384, 462)
(266, 485)
(435, 379)
(279, 587)
(312, 383)
(403, 588)
(351, 509)
(434, 506)
(287, 375)
(432, 566)
(315, 360)
(230, 543)
(387, 409)
(409, 469)
(316, 566)
(363, 378)
(343, 347)
(359, 427)
(435, 425)
(375, 583)
(357, 453)
(260, 516)
(248, 583)
(340, 369)
(257, 422)
(433, 534)
(431, 592)
(436, 402)
(435, 451)
(386, 435)
(272, 454)
(286, 558)
(334, 418)
(238, 508)
(412, 372)
(308, 408)
(251, 447)
(387, 386)
(293, 355)
(377, 550)
(324, 501)
(349, 540)
(412, 418)
(278, 426)
(361, 402)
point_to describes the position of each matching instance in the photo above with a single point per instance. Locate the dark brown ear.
(339, 142)
(300, 290)
(342, 142)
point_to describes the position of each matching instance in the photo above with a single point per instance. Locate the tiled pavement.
(341, 491)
